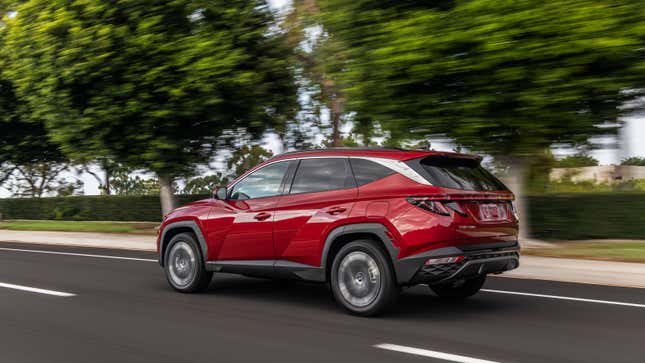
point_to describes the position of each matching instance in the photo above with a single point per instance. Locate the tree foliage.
(576, 161)
(501, 77)
(318, 58)
(39, 179)
(150, 83)
(126, 181)
(205, 184)
(634, 161)
(30, 163)
(246, 157)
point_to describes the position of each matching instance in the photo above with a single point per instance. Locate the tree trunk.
(516, 181)
(107, 182)
(335, 136)
(166, 195)
(107, 166)
(336, 113)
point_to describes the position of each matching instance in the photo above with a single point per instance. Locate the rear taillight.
(444, 260)
(456, 207)
(437, 206)
(430, 205)
(514, 210)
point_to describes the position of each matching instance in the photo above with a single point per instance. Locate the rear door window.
(456, 173)
(366, 171)
(322, 174)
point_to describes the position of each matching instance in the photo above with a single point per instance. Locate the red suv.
(367, 221)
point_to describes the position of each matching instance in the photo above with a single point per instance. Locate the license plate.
(492, 212)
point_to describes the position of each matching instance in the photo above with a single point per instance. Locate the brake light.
(515, 211)
(444, 260)
(456, 207)
(429, 205)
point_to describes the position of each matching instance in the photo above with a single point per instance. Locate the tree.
(108, 166)
(576, 161)
(634, 160)
(150, 84)
(318, 57)
(507, 78)
(125, 181)
(205, 184)
(246, 157)
(35, 180)
(30, 163)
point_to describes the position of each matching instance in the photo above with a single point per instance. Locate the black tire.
(372, 291)
(460, 289)
(184, 265)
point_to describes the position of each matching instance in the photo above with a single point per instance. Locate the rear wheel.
(362, 280)
(459, 289)
(184, 265)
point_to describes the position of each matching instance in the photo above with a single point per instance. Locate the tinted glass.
(316, 175)
(458, 173)
(261, 183)
(366, 171)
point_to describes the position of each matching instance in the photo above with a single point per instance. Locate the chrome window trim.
(395, 165)
(398, 166)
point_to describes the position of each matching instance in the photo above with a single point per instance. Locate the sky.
(279, 3)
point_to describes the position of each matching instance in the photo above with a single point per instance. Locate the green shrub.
(576, 161)
(562, 216)
(89, 208)
(575, 216)
(634, 161)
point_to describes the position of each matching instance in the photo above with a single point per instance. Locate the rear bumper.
(478, 260)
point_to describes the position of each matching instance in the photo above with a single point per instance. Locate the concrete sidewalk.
(531, 267)
(83, 239)
(611, 273)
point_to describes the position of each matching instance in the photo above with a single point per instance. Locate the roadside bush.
(574, 216)
(561, 216)
(89, 208)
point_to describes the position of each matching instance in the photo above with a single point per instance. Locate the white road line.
(432, 354)
(566, 298)
(79, 254)
(36, 290)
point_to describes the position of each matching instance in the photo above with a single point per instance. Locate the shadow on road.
(414, 303)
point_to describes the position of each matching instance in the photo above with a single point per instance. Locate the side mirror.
(220, 193)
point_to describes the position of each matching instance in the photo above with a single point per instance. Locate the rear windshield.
(456, 173)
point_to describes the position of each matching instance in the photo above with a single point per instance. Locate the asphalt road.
(120, 310)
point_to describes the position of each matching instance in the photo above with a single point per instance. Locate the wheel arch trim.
(377, 229)
(163, 244)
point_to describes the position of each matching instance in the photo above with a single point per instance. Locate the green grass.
(606, 251)
(81, 226)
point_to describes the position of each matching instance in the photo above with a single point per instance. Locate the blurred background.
(121, 110)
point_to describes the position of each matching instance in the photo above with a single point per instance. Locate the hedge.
(552, 216)
(89, 208)
(576, 216)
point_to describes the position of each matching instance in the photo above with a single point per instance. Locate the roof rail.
(345, 148)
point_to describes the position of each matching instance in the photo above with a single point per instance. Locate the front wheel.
(362, 279)
(184, 265)
(460, 289)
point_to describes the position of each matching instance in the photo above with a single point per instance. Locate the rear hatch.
(482, 205)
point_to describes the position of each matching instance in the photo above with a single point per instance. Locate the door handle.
(336, 210)
(262, 216)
